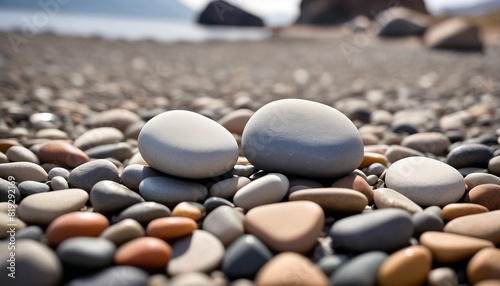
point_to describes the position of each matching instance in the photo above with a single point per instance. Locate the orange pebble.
(356, 183)
(190, 210)
(372, 157)
(148, 253)
(75, 224)
(168, 228)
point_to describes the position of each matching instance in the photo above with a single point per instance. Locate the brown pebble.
(190, 210)
(333, 199)
(357, 183)
(371, 158)
(123, 231)
(450, 248)
(487, 195)
(408, 266)
(5, 144)
(489, 282)
(235, 121)
(484, 265)
(62, 153)
(168, 228)
(148, 253)
(75, 224)
(483, 225)
(455, 210)
(292, 269)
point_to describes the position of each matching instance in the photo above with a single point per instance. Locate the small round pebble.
(484, 265)
(271, 188)
(31, 187)
(21, 154)
(212, 203)
(123, 231)
(59, 183)
(469, 155)
(225, 223)
(367, 263)
(228, 187)
(426, 221)
(133, 175)
(98, 136)
(407, 266)
(357, 183)
(427, 142)
(487, 195)
(75, 224)
(190, 210)
(443, 276)
(171, 191)
(171, 228)
(148, 253)
(62, 153)
(109, 197)
(475, 179)
(58, 171)
(144, 212)
(333, 199)
(453, 211)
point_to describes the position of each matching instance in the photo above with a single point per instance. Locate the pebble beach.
(294, 160)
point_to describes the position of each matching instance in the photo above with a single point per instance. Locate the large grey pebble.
(171, 191)
(425, 181)
(35, 264)
(388, 198)
(21, 154)
(269, 189)
(23, 171)
(87, 175)
(98, 136)
(144, 212)
(470, 155)
(133, 175)
(225, 223)
(385, 230)
(31, 187)
(188, 145)
(109, 197)
(302, 137)
(116, 275)
(361, 270)
(88, 252)
(245, 257)
(228, 187)
(119, 151)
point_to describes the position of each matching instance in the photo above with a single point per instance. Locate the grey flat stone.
(116, 275)
(31, 187)
(361, 270)
(87, 175)
(86, 252)
(144, 212)
(109, 197)
(171, 191)
(225, 223)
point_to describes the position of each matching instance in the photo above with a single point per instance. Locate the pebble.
(87, 175)
(119, 151)
(300, 224)
(375, 169)
(188, 145)
(278, 138)
(148, 253)
(453, 211)
(357, 183)
(98, 136)
(133, 175)
(235, 121)
(443, 276)
(123, 231)
(62, 153)
(476, 179)
(245, 257)
(171, 228)
(426, 221)
(186, 253)
(228, 187)
(470, 155)
(58, 172)
(488, 282)
(43, 208)
(44, 267)
(27, 188)
(367, 263)
(456, 33)
(333, 199)
(212, 203)
(385, 230)
(89, 252)
(195, 278)
(451, 248)
(268, 189)
(58, 183)
(388, 198)
(75, 224)
(395, 153)
(483, 225)
(427, 142)
(5, 144)
(330, 263)
(407, 266)
(23, 171)
(115, 275)
(21, 154)
(242, 171)
(494, 165)
(109, 197)
(171, 191)
(487, 195)
(225, 223)
(3, 158)
(7, 222)
(118, 118)
(144, 212)
(425, 181)
(192, 210)
(484, 265)
(290, 268)
(33, 232)
(51, 133)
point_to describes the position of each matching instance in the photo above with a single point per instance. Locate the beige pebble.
(372, 157)
(487, 195)
(23, 171)
(455, 210)
(483, 225)
(443, 276)
(333, 199)
(357, 183)
(21, 154)
(190, 210)
(388, 198)
(476, 179)
(485, 265)
(235, 121)
(408, 266)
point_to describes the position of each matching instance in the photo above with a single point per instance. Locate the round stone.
(109, 197)
(450, 248)
(87, 252)
(58, 172)
(470, 155)
(453, 211)
(484, 265)
(98, 136)
(188, 145)
(23, 171)
(388, 198)
(357, 183)
(280, 138)
(148, 253)
(443, 276)
(426, 221)
(487, 195)
(44, 267)
(62, 153)
(144, 212)
(43, 208)
(116, 275)
(300, 224)
(186, 253)
(408, 266)
(330, 263)
(123, 231)
(475, 179)
(235, 121)
(333, 199)
(171, 228)
(225, 223)
(75, 224)
(31, 187)
(425, 181)
(370, 158)
(385, 230)
(482, 225)
(21, 154)
(190, 210)
(228, 187)
(494, 165)
(212, 203)
(271, 188)
(171, 191)
(87, 175)
(33, 232)
(59, 183)
(427, 142)
(290, 268)
(367, 263)
(133, 175)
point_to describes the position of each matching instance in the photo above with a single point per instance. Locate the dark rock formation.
(224, 14)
